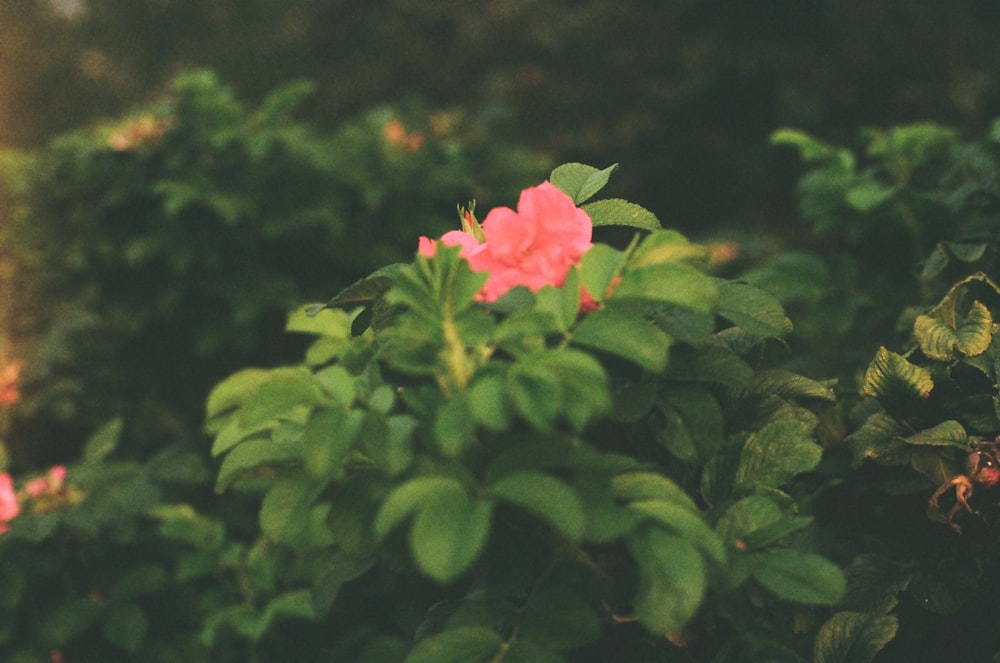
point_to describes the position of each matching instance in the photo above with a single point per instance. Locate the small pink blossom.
(50, 484)
(10, 375)
(534, 246)
(9, 506)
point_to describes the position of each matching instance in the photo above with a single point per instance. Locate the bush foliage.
(785, 457)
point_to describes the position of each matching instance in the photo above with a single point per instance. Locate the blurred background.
(176, 176)
(683, 93)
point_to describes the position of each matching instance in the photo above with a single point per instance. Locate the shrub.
(151, 256)
(520, 478)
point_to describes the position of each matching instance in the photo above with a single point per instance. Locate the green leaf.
(800, 577)
(598, 268)
(284, 512)
(890, 376)
(125, 625)
(542, 385)
(756, 311)
(545, 496)
(945, 434)
(65, 619)
(666, 246)
(255, 453)
(281, 391)
(329, 323)
(296, 603)
(562, 303)
(774, 532)
(579, 181)
(412, 495)
(966, 251)
(879, 439)
(393, 451)
(328, 436)
(629, 336)
(692, 422)
(488, 402)
(457, 645)
(448, 534)
(338, 383)
(746, 516)
(776, 453)
(535, 393)
(650, 485)
(617, 212)
(556, 616)
(975, 331)
(668, 283)
(684, 522)
(672, 579)
(234, 433)
(810, 148)
(867, 195)
(853, 637)
(937, 340)
(789, 385)
(685, 325)
(712, 364)
(234, 390)
(361, 292)
(103, 441)
(454, 426)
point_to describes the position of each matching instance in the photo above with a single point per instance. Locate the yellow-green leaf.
(891, 374)
(975, 331)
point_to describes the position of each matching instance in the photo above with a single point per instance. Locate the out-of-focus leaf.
(800, 577)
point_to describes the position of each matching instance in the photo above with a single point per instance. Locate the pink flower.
(9, 506)
(9, 377)
(50, 484)
(534, 246)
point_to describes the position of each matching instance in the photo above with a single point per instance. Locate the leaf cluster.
(556, 477)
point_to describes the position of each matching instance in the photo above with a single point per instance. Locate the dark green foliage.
(492, 454)
(152, 256)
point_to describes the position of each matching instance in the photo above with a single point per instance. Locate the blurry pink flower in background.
(50, 484)
(10, 375)
(9, 506)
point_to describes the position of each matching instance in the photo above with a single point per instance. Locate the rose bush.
(475, 469)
